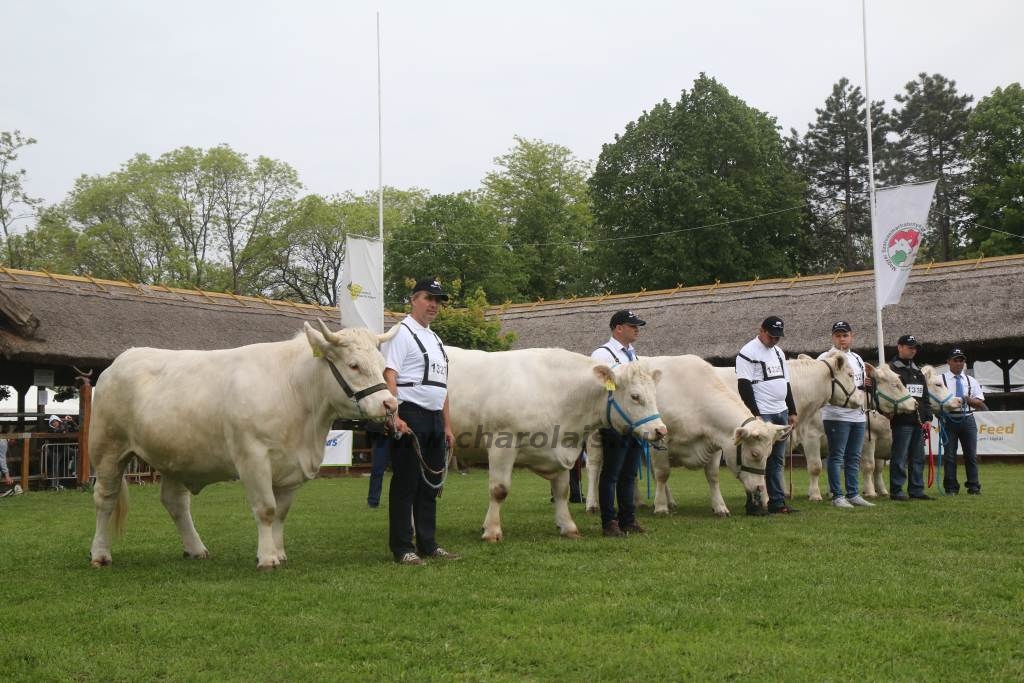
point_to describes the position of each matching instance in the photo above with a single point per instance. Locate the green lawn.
(915, 591)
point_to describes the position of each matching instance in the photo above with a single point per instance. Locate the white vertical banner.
(361, 294)
(338, 449)
(900, 217)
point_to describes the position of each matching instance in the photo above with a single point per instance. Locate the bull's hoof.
(722, 513)
(662, 512)
(575, 533)
(870, 495)
(814, 499)
(100, 562)
(592, 510)
(268, 567)
(492, 538)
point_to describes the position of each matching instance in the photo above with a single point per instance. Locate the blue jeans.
(776, 465)
(381, 457)
(907, 444)
(844, 442)
(965, 430)
(618, 477)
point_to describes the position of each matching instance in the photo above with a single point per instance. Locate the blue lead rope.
(630, 426)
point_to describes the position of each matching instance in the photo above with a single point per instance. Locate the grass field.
(915, 591)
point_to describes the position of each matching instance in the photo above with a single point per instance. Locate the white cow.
(878, 441)
(534, 408)
(260, 413)
(705, 421)
(810, 432)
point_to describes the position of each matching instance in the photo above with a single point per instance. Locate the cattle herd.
(261, 414)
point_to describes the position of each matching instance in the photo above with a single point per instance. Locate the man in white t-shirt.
(844, 429)
(763, 383)
(416, 372)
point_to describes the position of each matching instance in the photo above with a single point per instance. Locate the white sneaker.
(860, 501)
(841, 502)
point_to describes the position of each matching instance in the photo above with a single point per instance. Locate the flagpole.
(380, 146)
(871, 182)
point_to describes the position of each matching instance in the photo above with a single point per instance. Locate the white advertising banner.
(900, 216)
(338, 449)
(361, 294)
(1000, 432)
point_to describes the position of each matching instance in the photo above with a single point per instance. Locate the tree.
(833, 158)
(707, 160)
(994, 145)
(930, 127)
(457, 238)
(52, 244)
(469, 327)
(14, 203)
(539, 196)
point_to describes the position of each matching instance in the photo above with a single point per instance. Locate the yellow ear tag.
(609, 385)
(317, 353)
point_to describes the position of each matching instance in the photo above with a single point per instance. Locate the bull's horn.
(326, 331)
(381, 338)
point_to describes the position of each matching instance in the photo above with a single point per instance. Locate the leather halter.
(837, 383)
(347, 388)
(739, 453)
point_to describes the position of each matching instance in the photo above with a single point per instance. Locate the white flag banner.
(900, 216)
(361, 294)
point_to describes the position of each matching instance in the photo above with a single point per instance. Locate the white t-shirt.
(766, 369)
(613, 352)
(831, 412)
(403, 355)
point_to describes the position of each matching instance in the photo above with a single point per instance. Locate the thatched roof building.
(977, 304)
(57, 321)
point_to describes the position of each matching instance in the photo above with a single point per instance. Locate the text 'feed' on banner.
(901, 214)
(1000, 432)
(361, 293)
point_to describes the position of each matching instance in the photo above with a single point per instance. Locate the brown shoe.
(633, 528)
(612, 529)
(409, 558)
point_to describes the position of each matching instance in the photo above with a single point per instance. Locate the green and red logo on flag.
(900, 246)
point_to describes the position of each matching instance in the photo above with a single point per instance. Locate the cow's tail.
(117, 520)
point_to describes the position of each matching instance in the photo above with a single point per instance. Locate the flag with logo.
(361, 293)
(900, 216)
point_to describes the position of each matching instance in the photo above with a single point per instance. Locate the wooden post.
(24, 462)
(85, 408)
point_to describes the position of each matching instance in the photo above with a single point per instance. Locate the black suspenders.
(764, 368)
(605, 347)
(427, 382)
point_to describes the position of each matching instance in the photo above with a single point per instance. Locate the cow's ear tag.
(317, 353)
(609, 384)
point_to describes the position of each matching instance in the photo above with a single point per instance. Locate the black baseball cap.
(773, 325)
(908, 340)
(956, 352)
(431, 286)
(841, 326)
(626, 318)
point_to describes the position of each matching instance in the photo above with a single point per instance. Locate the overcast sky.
(98, 81)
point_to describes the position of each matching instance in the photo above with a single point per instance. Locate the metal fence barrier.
(59, 464)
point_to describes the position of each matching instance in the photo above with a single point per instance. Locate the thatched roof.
(976, 304)
(59, 320)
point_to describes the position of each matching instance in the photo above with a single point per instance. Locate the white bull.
(878, 441)
(534, 407)
(814, 382)
(258, 412)
(705, 421)
(810, 432)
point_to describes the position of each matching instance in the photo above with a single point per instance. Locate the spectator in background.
(5, 474)
(62, 425)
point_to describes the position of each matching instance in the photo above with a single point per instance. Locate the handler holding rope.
(909, 430)
(416, 372)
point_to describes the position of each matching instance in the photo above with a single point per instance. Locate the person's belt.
(408, 406)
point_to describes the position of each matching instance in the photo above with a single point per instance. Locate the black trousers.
(412, 504)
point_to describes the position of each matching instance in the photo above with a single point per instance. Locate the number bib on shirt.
(915, 390)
